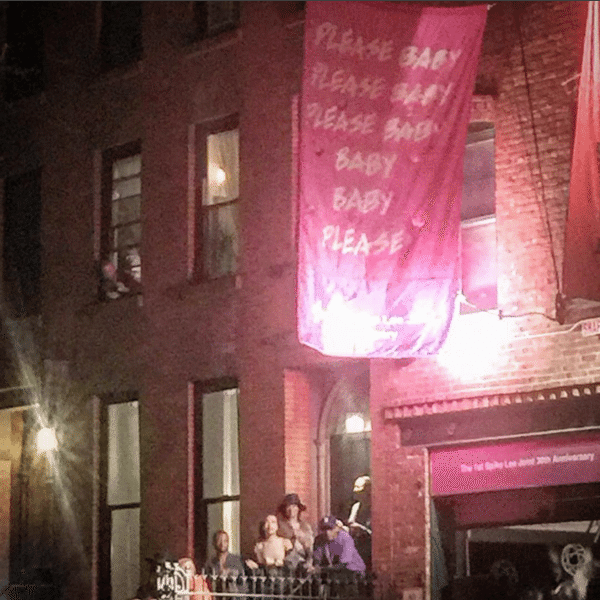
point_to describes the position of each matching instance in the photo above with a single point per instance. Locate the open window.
(478, 220)
(121, 235)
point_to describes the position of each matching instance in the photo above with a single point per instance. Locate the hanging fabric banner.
(385, 106)
(581, 267)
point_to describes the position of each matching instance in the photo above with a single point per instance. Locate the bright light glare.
(46, 440)
(355, 424)
(220, 176)
(473, 344)
(347, 330)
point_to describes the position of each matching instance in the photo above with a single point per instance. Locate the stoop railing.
(173, 583)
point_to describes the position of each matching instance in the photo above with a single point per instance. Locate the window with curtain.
(121, 236)
(478, 220)
(219, 169)
(120, 517)
(219, 480)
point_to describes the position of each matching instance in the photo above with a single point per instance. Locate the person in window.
(271, 549)
(335, 549)
(292, 526)
(223, 562)
(223, 570)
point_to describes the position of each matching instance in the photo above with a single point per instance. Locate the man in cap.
(334, 547)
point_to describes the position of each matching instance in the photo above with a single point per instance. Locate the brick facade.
(244, 327)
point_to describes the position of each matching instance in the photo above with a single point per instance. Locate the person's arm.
(318, 554)
(348, 548)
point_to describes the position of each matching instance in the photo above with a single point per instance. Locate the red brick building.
(167, 283)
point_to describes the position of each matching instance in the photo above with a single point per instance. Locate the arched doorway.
(343, 441)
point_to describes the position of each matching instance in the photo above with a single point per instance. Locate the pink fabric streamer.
(385, 108)
(581, 269)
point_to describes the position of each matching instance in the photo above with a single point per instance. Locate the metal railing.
(26, 591)
(173, 583)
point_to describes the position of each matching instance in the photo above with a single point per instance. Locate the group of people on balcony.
(287, 544)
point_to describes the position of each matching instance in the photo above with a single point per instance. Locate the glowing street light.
(46, 440)
(355, 424)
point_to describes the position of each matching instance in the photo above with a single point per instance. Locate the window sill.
(191, 287)
(117, 74)
(212, 44)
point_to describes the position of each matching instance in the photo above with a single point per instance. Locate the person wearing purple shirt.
(334, 547)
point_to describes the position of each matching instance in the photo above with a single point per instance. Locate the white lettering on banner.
(351, 241)
(363, 202)
(369, 164)
(344, 82)
(397, 130)
(346, 44)
(418, 94)
(338, 120)
(426, 58)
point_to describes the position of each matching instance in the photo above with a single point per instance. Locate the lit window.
(478, 216)
(213, 18)
(220, 492)
(122, 226)
(218, 235)
(120, 501)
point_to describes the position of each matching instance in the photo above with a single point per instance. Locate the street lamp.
(46, 440)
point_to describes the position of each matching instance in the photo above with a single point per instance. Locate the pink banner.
(581, 268)
(386, 101)
(532, 463)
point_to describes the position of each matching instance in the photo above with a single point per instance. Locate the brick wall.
(529, 50)
(298, 438)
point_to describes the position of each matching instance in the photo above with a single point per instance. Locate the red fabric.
(385, 107)
(581, 269)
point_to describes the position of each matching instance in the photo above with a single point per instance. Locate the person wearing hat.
(293, 527)
(335, 548)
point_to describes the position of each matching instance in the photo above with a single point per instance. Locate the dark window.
(121, 34)
(218, 187)
(217, 464)
(22, 243)
(212, 18)
(478, 215)
(121, 233)
(24, 51)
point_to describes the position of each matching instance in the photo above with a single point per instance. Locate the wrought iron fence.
(17, 591)
(174, 583)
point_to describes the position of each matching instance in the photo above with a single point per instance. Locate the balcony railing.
(173, 583)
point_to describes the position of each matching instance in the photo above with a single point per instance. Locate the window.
(212, 18)
(121, 221)
(23, 54)
(217, 224)
(120, 34)
(120, 500)
(22, 248)
(218, 473)
(478, 216)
